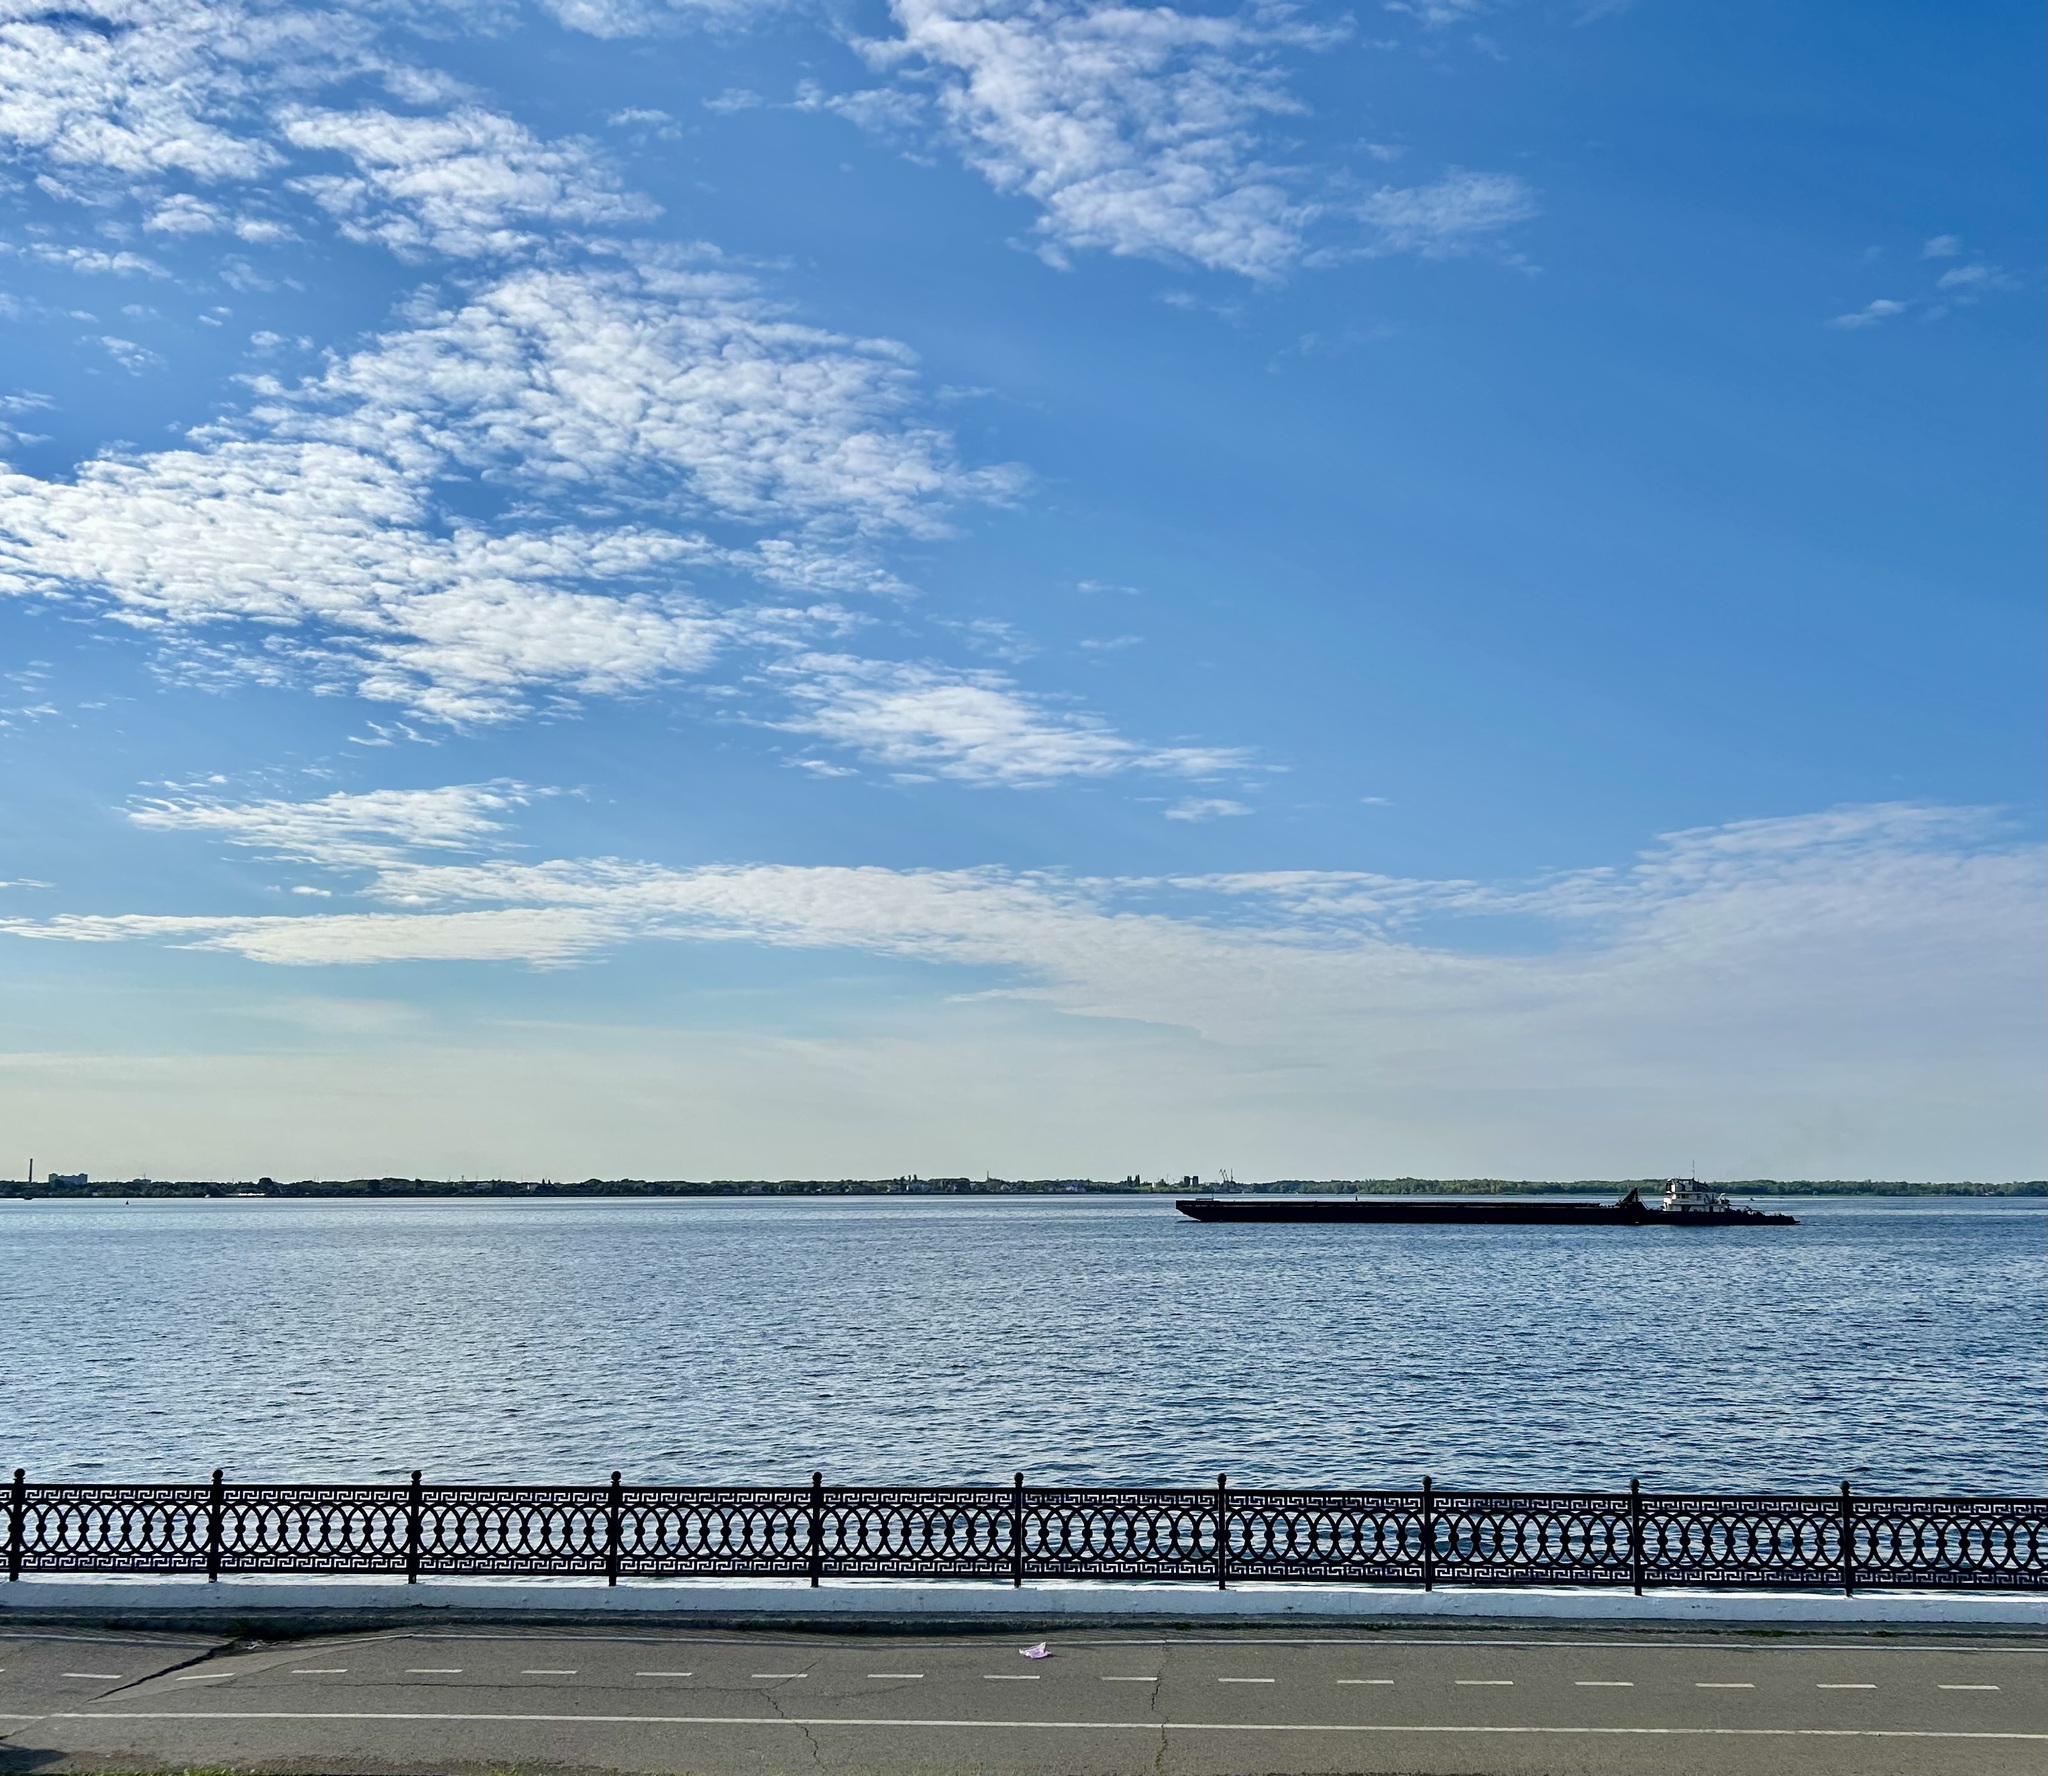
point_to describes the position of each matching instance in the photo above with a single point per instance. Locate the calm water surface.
(1897, 1342)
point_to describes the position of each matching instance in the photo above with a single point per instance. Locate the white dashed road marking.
(1603, 1683)
(318, 1670)
(1245, 1680)
(1966, 1686)
(758, 1675)
(905, 1675)
(1484, 1683)
(1845, 1686)
(805, 1722)
(1130, 1680)
(664, 1674)
(1009, 1677)
(110, 1676)
(1722, 1686)
(1377, 1682)
(433, 1671)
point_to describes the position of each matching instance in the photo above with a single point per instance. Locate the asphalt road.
(1181, 1704)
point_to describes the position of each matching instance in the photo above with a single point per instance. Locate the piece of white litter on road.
(1040, 1651)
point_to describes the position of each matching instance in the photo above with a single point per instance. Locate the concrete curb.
(857, 1605)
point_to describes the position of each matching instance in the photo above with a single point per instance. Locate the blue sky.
(628, 587)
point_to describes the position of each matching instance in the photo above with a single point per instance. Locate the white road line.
(1064, 1726)
(1247, 1680)
(1484, 1683)
(906, 1676)
(1130, 1680)
(318, 1670)
(756, 1676)
(1009, 1677)
(112, 1676)
(543, 1671)
(1375, 1682)
(1845, 1686)
(664, 1674)
(433, 1671)
(1723, 1686)
(1966, 1686)
(1603, 1683)
(203, 1677)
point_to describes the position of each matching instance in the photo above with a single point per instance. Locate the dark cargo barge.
(1685, 1204)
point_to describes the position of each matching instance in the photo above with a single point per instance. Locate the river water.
(1896, 1342)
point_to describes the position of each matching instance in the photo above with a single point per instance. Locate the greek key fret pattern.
(1214, 1534)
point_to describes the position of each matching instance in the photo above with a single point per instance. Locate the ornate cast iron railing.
(1018, 1532)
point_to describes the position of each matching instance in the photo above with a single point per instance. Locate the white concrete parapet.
(851, 1600)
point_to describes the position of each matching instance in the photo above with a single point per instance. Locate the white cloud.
(1450, 216)
(1200, 808)
(1829, 957)
(345, 830)
(183, 213)
(681, 386)
(1965, 283)
(1438, 13)
(469, 184)
(633, 18)
(315, 558)
(131, 357)
(1870, 314)
(976, 727)
(308, 539)
(1136, 129)
(95, 261)
(1942, 246)
(141, 89)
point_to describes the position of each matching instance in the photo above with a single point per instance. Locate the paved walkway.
(1102, 1704)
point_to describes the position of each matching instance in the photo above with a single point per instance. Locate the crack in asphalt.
(199, 1658)
(774, 1700)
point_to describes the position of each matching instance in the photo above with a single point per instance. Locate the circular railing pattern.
(1024, 1532)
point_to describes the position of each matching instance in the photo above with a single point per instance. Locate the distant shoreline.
(360, 1189)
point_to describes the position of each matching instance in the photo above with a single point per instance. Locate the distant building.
(75, 1180)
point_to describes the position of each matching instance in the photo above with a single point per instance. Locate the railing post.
(1848, 1535)
(1428, 1534)
(614, 1512)
(1017, 1532)
(1222, 1532)
(415, 1508)
(1635, 1534)
(17, 1522)
(817, 1526)
(216, 1510)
